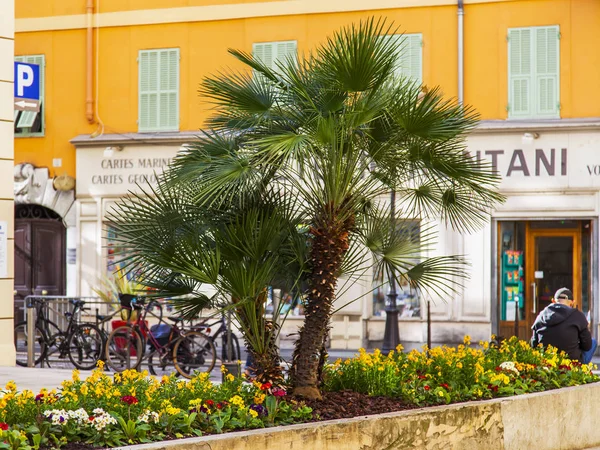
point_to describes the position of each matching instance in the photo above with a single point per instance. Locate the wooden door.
(40, 247)
(553, 261)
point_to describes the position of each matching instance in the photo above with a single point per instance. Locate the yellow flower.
(459, 365)
(75, 376)
(441, 393)
(11, 386)
(229, 377)
(467, 339)
(84, 389)
(237, 400)
(196, 402)
(259, 399)
(253, 413)
(223, 368)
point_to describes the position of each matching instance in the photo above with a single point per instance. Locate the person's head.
(564, 296)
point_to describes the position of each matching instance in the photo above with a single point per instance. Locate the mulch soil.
(346, 404)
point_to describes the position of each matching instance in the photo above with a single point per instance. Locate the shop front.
(110, 168)
(545, 236)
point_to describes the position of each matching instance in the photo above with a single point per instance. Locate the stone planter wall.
(562, 419)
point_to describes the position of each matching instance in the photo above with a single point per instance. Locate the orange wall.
(204, 51)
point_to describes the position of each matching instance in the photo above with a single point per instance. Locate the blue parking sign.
(27, 81)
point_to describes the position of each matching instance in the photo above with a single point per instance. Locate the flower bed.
(134, 408)
(447, 375)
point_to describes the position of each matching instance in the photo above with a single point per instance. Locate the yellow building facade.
(120, 98)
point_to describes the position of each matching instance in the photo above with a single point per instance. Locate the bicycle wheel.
(21, 338)
(85, 346)
(161, 364)
(235, 348)
(194, 352)
(124, 349)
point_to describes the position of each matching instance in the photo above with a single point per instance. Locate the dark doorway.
(40, 239)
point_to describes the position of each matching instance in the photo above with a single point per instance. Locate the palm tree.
(329, 136)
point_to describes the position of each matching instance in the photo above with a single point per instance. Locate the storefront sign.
(552, 160)
(116, 173)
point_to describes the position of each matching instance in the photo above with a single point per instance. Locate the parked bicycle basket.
(129, 313)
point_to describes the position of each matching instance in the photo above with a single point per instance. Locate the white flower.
(148, 416)
(80, 415)
(57, 416)
(102, 419)
(510, 366)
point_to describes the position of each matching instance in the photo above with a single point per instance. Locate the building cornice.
(222, 12)
(511, 126)
(104, 140)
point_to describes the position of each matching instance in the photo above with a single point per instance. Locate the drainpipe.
(461, 52)
(89, 86)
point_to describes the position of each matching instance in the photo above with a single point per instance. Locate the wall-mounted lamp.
(528, 138)
(109, 151)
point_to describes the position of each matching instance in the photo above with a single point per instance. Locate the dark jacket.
(564, 328)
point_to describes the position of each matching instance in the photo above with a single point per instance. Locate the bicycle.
(82, 342)
(222, 330)
(188, 352)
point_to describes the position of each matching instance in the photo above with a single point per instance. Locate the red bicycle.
(164, 346)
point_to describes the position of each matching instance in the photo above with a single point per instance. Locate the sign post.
(27, 87)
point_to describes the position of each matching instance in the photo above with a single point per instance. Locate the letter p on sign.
(27, 81)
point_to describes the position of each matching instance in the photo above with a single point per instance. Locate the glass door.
(553, 261)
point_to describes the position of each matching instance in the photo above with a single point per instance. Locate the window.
(31, 123)
(158, 90)
(533, 72)
(410, 56)
(269, 53)
(408, 300)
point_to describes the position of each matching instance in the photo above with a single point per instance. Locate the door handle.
(44, 292)
(15, 292)
(534, 288)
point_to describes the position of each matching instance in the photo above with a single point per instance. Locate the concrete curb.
(514, 423)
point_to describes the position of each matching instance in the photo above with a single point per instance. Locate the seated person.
(564, 327)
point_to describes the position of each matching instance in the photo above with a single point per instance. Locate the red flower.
(3, 426)
(219, 405)
(422, 377)
(426, 387)
(129, 399)
(210, 402)
(445, 385)
(266, 386)
(39, 398)
(498, 369)
(277, 392)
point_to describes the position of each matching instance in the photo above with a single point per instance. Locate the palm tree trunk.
(329, 245)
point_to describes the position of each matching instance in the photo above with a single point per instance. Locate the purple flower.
(260, 409)
(62, 419)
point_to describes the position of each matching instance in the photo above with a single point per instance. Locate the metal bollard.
(30, 334)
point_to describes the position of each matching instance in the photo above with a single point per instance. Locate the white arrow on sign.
(24, 104)
(27, 105)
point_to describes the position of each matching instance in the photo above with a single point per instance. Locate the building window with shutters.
(31, 123)
(533, 73)
(158, 108)
(271, 53)
(410, 55)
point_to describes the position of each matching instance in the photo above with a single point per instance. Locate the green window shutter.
(285, 50)
(547, 71)
(270, 53)
(411, 57)
(520, 72)
(28, 118)
(158, 87)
